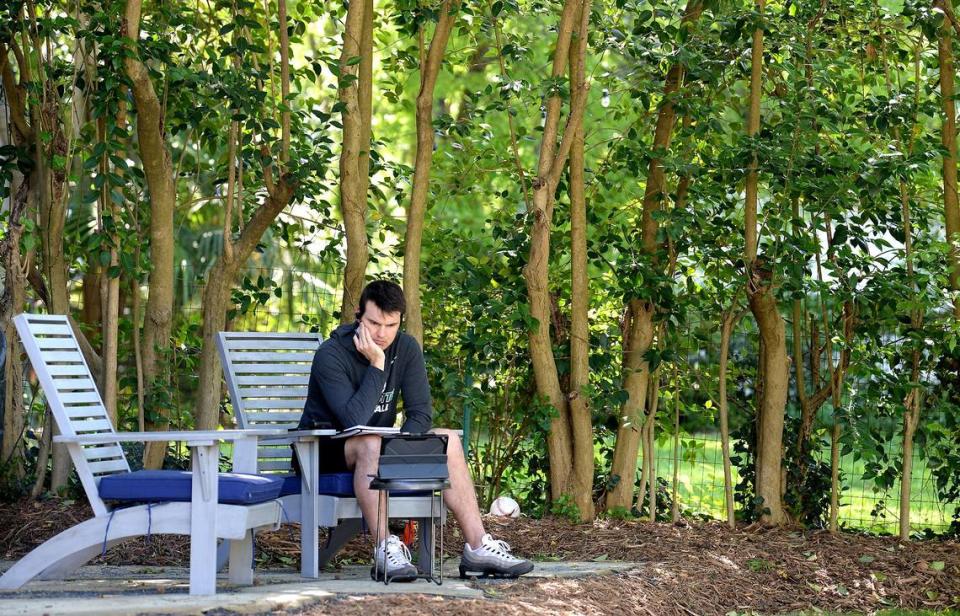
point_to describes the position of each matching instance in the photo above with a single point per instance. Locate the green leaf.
(937, 565)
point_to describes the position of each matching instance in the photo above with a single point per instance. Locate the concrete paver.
(109, 591)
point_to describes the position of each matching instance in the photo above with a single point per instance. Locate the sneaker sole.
(377, 576)
(466, 572)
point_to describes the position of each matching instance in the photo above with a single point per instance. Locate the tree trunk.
(216, 292)
(91, 312)
(834, 475)
(581, 423)
(109, 291)
(536, 271)
(773, 362)
(12, 301)
(216, 302)
(53, 217)
(729, 322)
(913, 400)
(650, 444)
(158, 169)
(675, 503)
(772, 403)
(640, 314)
(949, 140)
(353, 199)
(216, 295)
(421, 175)
(638, 336)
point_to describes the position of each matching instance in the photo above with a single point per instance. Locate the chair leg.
(339, 536)
(203, 519)
(241, 560)
(425, 532)
(223, 555)
(59, 555)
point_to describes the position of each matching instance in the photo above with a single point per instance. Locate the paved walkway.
(108, 591)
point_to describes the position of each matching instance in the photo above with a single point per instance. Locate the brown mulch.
(701, 568)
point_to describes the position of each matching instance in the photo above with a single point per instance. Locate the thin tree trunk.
(365, 97)
(913, 400)
(653, 400)
(353, 201)
(949, 140)
(581, 424)
(774, 364)
(12, 301)
(110, 292)
(536, 271)
(640, 314)
(158, 170)
(729, 322)
(911, 417)
(43, 454)
(638, 336)
(91, 312)
(216, 297)
(675, 505)
(429, 70)
(834, 475)
(220, 280)
(284, 84)
(137, 350)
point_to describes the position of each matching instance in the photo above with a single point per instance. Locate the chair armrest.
(190, 437)
(302, 434)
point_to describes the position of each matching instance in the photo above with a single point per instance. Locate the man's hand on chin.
(367, 347)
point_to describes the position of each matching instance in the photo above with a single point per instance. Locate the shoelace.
(397, 546)
(501, 547)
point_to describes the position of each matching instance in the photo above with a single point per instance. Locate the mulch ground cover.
(698, 568)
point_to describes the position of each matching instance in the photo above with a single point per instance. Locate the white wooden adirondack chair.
(180, 503)
(267, 376)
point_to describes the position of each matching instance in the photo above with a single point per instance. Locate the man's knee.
(453, 440)
(362, 450)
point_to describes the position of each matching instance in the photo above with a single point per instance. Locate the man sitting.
(357, 375)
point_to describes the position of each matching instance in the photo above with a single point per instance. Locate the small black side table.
(436, 488)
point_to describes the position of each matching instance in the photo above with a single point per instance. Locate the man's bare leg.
(461, 498)
(362, 454)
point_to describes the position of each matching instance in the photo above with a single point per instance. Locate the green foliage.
(850, 121)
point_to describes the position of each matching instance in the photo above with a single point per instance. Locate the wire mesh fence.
(863, 505)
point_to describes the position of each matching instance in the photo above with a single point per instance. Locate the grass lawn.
(701, 487)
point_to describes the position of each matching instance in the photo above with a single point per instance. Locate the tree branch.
(17, 108)
(277, 199)
(578, 100)
(284, 83)
(948, 11)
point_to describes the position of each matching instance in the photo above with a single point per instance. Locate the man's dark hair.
(385, 294)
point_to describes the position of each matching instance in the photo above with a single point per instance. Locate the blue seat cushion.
(163, 486)
(331, 484)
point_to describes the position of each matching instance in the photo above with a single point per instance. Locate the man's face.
(382, 326)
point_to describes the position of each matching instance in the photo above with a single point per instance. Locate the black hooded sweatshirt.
(345, 390)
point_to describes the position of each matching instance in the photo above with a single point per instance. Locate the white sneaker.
(492, 558)
(392, 559)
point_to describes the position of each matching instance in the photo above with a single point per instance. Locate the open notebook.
(357, 430)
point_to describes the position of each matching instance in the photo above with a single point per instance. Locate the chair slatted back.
(73, 397)
(267, 376)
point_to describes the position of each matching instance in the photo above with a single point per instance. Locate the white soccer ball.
(505, 506)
